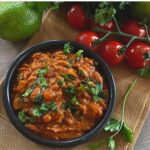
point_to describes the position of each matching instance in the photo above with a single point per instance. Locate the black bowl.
(48, 46)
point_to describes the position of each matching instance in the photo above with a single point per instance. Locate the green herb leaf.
(71, 103)
(70, 90)
(113, 125)
(23, 117)
(122, 5)
(53, 106)
(127, 133)
(42, 82)
(79, 54)
(96, 90)
(42, 72)
(50, 106)
(38, 99)
(69, 77)
(104, 13)
(80, 72)
(41, 79)
(27, 92)
(111, 143)
(67, 48)
(55, 5)
(44, 108)
(70, 62)
(61, 82)
(36, 112)
(144, 73)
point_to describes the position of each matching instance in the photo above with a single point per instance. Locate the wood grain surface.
(143, 142)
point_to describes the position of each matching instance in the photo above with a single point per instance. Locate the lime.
(20, 20)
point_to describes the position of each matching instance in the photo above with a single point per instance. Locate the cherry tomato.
(110, 26)
(76, 16)
(137, 54)
(87, 38)
(134, 28)
(111, 52)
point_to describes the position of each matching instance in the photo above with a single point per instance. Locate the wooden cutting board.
(55, 27)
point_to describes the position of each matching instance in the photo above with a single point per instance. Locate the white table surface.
(8, 52)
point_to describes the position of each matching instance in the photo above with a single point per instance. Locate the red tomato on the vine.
(110, 51)
(110, 26)
(87, 38)
(76, 16)
(134, 28)
(138, 54)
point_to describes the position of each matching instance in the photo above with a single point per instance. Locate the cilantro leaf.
(41, 79)
(36, 112)
(38, 99)
(80, 72)
(127, 133)
(55, 5)
(79, 54)
(61, 82)
(111, 143)
(104, 13)
(70, 90)
(71, 103)
(23, 117)
(27, 92)
(42, 82)
(67, 48)
(69, 77)
(144, 73)
(44, 108)
(42, 72)
(113, 125)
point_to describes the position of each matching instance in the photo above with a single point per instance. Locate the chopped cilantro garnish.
(36, 112)
(23, 117)
(95, 90)
(67, 48)
(42, 72)
(70, 90)
(70, 62)
(41, 79)
(80, 72)
(38, 99)
(79, 54)
(39, 111)
(70, 104)
(42, 82)
(61, 82)
(69, 77)
(27, 92)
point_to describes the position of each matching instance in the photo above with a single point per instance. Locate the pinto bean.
(47, 118)
(32, 127)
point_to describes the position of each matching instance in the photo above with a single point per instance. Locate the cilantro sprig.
(24, 118)
(117, 126)
(70, 104)
(79, 54)
(68, 48)
(44, 108)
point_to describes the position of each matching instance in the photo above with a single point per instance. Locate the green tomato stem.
(118, 28)
(128, 91)
(145, 26)
(97, 29)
